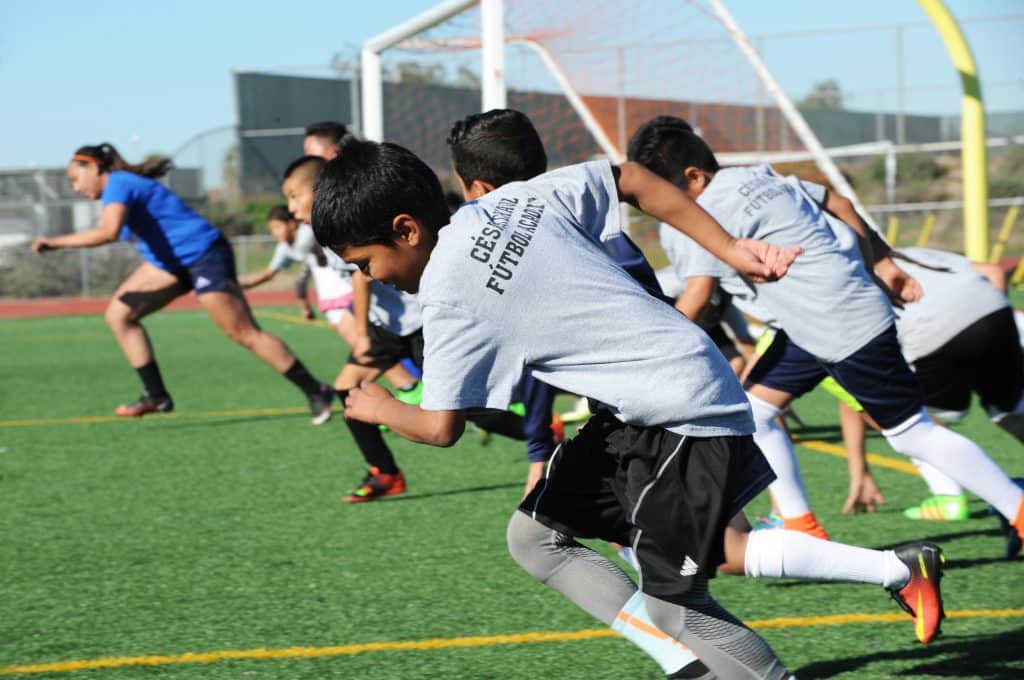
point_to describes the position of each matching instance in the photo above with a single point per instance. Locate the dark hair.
(667, 146)
(108, 159)
(361, 191)
(315, 164)
(280, 213)
(498, 146)
(330, 130)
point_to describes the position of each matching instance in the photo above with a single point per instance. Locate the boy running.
(664, 472)
(388, 328)
(297, 245)
(832, 320)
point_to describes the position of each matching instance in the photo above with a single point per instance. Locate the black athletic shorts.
(667, 495)
(387, 348)
(984, 358)
(213, 272)
(723, 342)
(876, 375)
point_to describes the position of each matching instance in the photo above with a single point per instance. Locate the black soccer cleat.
(693, 671)
(145, 404)
(921, 596)
(320, 404)
(1013, 542)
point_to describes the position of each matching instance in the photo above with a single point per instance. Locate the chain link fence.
(97, 272)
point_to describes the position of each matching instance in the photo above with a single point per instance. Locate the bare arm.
(993, 272)
(105, 232)
(756, 260)
(257, 279)
(373, 404)
(876, 252)
(696, 296)
(361, 314)
(842, 208)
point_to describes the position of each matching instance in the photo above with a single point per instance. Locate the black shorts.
(388, 349)
(984, 358)
(213, 272)
(723, 342)
(876, 375)
(667, 495)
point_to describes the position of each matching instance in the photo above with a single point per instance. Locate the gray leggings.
(727, 647)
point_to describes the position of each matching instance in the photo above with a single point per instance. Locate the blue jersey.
(169, 234)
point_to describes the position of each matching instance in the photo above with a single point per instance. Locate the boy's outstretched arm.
(876, 252)
(257, 279)
(756, 260)
(373, 404)
(696, 296)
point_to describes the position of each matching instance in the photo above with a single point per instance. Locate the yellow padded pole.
(1004, 234)
(926, 230)
(972, 131)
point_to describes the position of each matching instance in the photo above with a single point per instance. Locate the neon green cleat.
(412, 397)
(579, 412)
(947, 508)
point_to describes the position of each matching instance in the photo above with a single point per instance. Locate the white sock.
(634, 624)
(957, 457)
(938, 483)
(778, 553)
(788, 488)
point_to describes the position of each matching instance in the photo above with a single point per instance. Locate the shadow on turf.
(214, 422)
(453, 492)
(977, 656)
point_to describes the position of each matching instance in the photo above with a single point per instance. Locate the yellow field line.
(873, 458)
(449, 643)
(291, 318)
(77, 420)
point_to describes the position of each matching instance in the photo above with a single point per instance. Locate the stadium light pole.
(972, 131)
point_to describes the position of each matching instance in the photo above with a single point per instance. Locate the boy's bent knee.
(532, 546)
(523, 536)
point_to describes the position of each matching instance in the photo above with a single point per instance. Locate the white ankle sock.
(634, 624)
(788, 488)
(957, 457)
(778, 553)
(938, 483)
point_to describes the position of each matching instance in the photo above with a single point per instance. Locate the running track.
(21, 309)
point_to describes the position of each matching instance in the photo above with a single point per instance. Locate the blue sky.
(147, 76)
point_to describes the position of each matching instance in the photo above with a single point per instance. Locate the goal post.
(608, 69)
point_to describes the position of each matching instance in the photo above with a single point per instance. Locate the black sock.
(505, 423)
(152, 381)
(371, 444)
(301, 378)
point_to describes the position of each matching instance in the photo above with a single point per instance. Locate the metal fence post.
(83, 259)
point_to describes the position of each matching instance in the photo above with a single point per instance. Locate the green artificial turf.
(211, 531)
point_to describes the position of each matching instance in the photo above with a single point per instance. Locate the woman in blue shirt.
(181, 252)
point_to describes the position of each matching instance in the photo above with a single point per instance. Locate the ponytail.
(106, 157)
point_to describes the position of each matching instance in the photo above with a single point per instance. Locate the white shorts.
(334, 316)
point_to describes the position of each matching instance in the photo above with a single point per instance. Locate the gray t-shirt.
(287, 254)
(827, 303)
(519, 281)
(390, 308)
(952, 301)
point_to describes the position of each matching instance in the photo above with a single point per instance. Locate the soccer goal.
(587, 74)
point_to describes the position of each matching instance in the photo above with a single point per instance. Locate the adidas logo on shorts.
(203, 282)
(689, 567)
